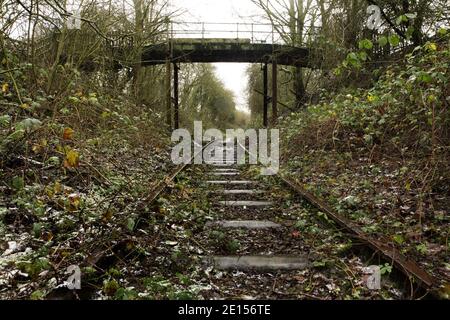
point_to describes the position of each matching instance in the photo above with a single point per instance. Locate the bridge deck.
(226, 50)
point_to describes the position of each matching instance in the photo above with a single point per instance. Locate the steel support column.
(176, 117)
(274, 92)
(168, 90)
(266, 96)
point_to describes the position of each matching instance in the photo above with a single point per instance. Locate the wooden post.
(168, 94)
(274, 92)
(266, 96)
(176, 119)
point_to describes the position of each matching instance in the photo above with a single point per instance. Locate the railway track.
(233, 234)
(278, 236)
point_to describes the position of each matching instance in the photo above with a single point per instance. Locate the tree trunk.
(297, 21)
(139, 31)
(299, 86)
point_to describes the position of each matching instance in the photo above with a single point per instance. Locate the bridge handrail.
(256, 32)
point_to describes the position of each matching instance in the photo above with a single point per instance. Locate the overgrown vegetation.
(380, 155)
(369, 132)
(81, 140)
(84, 139)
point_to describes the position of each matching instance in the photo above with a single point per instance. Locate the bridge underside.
(226, 50)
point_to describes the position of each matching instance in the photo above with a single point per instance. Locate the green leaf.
(29, 125)
(353, 59)
(401, 19)
(337, 72)
(37, 229)
(16, 136)
(409, 32)
(5, 120)
(442, 32)
(398, 238)
(18, 183)
(383, 41)
(365, 44)
(424, 77)
(233, 246)
(363, 56)
(125, 294)
(73, 99)
(387, 268)
(431, 98)
(394, 40)
(431, 46)
(319, 263)
(110, 287)
(53, 161)
(93, 100)
(422, 248)
(37, 295)
(131, 224)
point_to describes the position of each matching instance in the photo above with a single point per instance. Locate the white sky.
(233, 75)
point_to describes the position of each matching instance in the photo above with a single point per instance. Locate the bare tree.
(300, 17)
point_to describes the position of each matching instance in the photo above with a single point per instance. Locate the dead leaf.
(68, 134)
(296, 234)
(107, 215)
(74, 201)
(37, 148)
(47, 236)
(72, 159)
(5, 88)
(300, 278)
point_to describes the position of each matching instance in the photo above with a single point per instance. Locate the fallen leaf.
(296, 234)
(37, 148)
(72, 159)
(107, 215)
(47, 236)
(432, 46)
(68, 134)
(74, 201)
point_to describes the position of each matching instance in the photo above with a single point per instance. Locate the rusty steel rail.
(406, 265)
(164, 183)
(161, 186)
(93, 259)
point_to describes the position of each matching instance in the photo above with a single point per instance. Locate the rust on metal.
(163, 184)
(406, 265)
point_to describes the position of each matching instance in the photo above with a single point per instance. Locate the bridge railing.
(255, 32)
